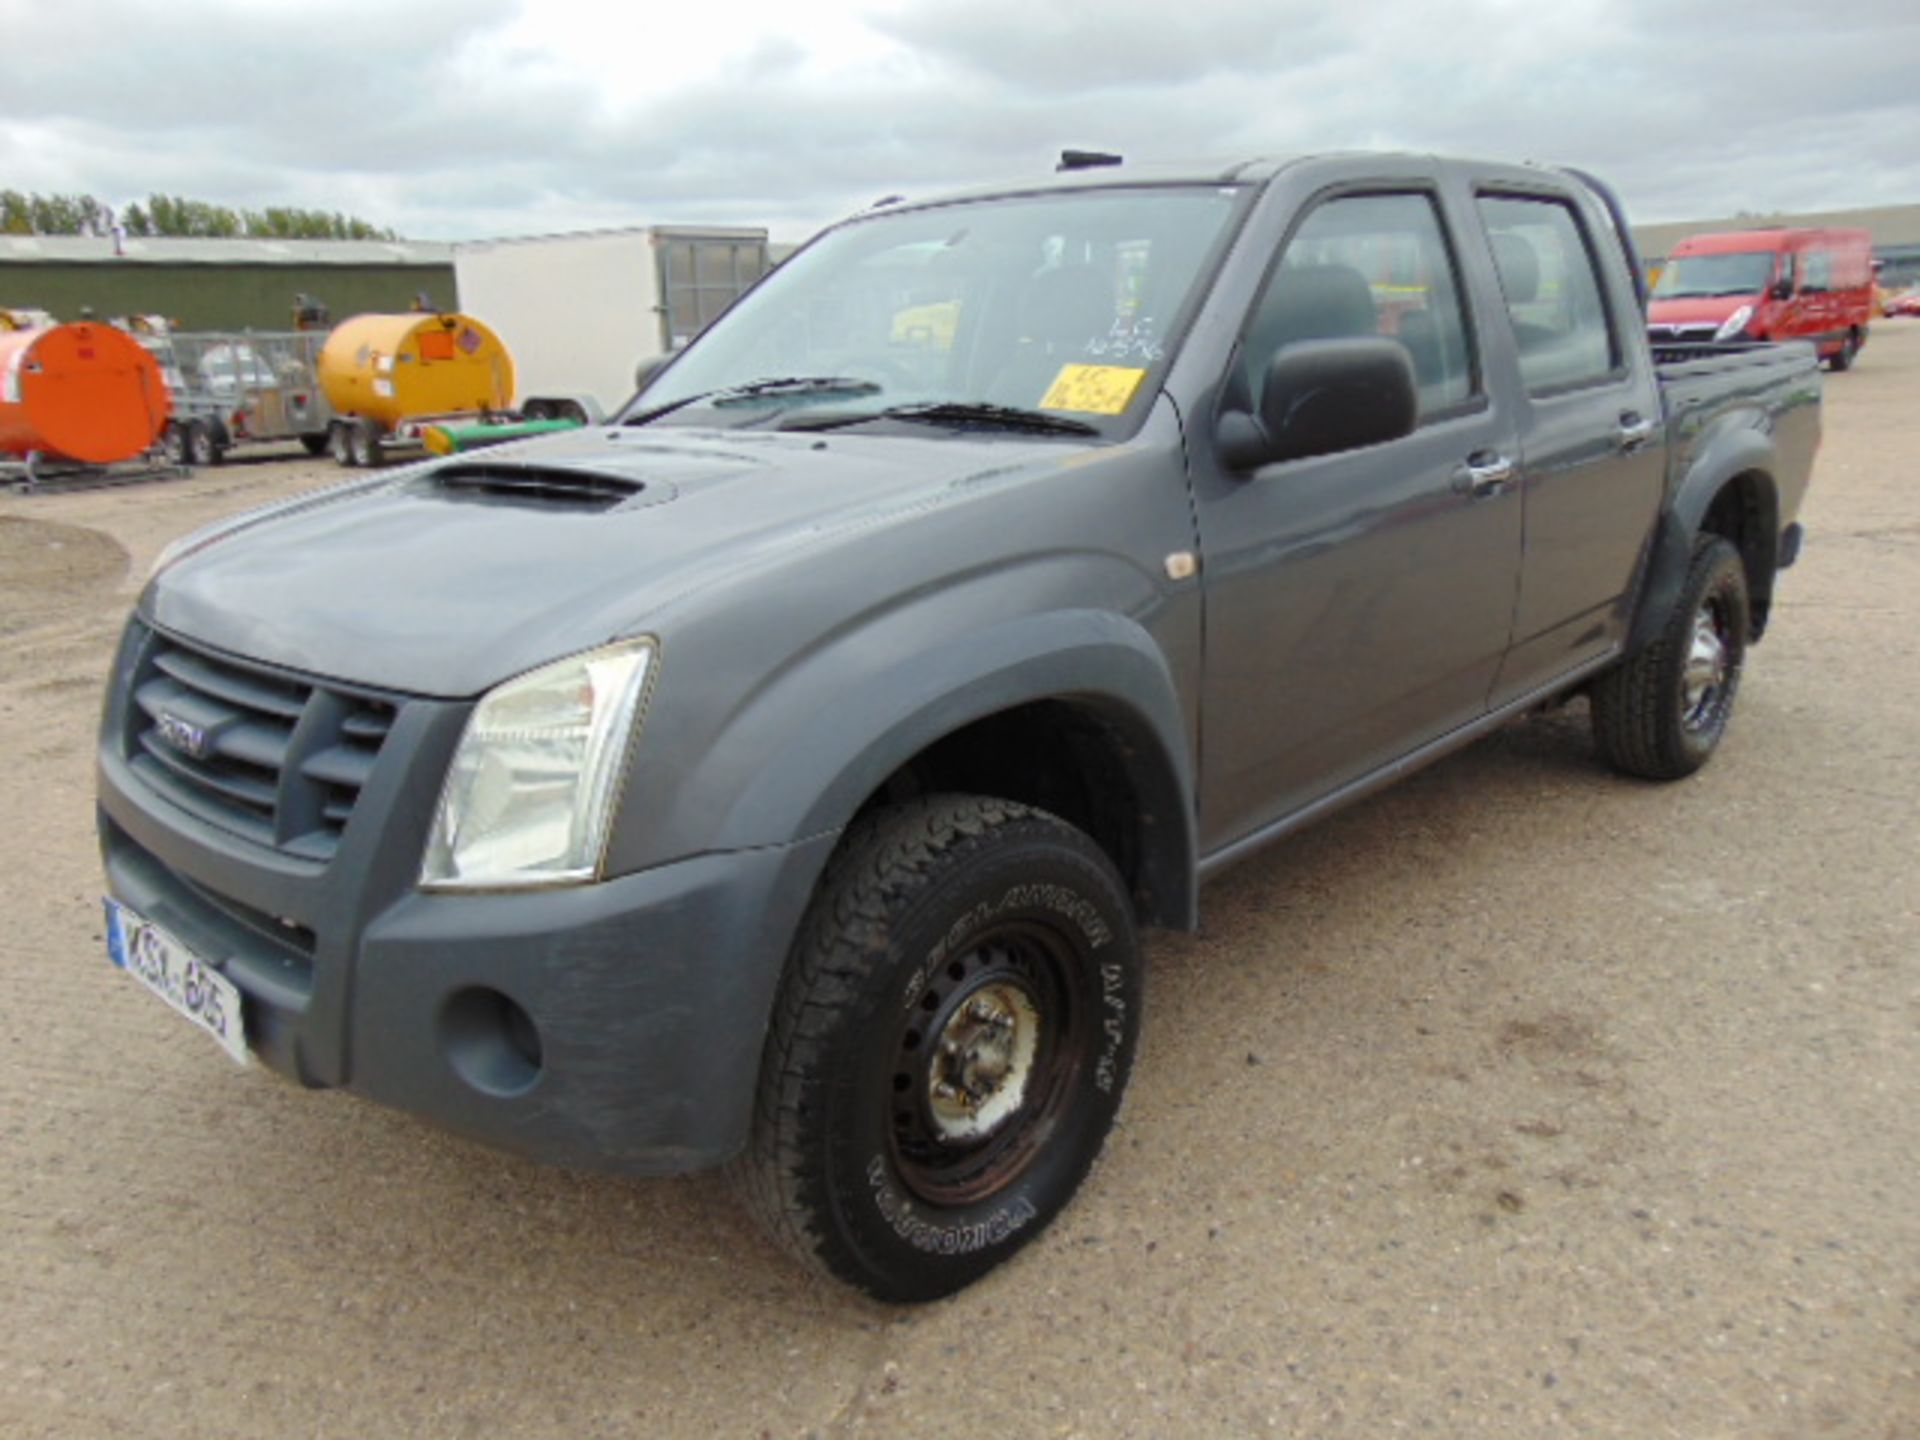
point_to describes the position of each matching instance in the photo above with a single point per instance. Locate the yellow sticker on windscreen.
(1092, 389)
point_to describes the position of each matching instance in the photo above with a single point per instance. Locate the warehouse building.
(219, 284)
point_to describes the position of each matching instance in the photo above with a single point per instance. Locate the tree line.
(22, 214)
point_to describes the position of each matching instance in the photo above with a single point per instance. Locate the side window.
(1369, 265)
(1817, 277)
(1552, 290)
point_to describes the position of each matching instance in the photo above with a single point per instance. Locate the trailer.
(238, 387)
(582, 312)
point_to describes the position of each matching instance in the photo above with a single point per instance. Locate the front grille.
(273, 756)
(1687, 334)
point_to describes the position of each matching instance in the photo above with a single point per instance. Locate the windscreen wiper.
(957, 413)
(795, 385)
(756, 389)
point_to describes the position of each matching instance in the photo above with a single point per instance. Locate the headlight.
(1735, 323)
(530, 793)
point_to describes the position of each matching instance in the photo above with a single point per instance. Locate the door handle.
(1633, 432)
(1484, 474)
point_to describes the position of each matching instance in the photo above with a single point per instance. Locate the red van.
(1769, 285)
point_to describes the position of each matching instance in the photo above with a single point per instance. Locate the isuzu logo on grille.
(182, 735)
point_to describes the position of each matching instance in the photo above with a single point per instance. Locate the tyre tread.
(1634, 724)
(883, 862)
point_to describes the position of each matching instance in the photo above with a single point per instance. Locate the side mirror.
(1321, 397)
(1781, 290)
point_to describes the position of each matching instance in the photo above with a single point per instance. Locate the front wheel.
(1661, 713)
(949, 1048)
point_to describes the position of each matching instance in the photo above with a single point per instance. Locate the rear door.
(1358, 604)
(1592, 453)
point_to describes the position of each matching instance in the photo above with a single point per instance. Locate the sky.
(468, 119)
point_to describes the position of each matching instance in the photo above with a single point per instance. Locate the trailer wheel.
(339, 444)
(316, 444)
(364, 441)
(173, 443)
(203, 444)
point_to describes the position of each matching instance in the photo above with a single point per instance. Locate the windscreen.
(1737, 272)
(1064, 304)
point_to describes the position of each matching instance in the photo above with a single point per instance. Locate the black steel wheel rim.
(985, 1063)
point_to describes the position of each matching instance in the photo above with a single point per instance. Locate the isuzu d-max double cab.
(781, 775)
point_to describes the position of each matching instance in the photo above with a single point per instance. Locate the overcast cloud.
(452, 119)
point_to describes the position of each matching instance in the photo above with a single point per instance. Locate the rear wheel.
(1842, 359)
(340, 443)
(949, 1048)
(1661, 713)
(173, 443)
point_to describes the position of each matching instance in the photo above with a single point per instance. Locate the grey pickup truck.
(781, 776)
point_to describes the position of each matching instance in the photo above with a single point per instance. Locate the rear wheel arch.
(1744, 509)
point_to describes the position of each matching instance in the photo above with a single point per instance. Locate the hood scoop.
(539, 486)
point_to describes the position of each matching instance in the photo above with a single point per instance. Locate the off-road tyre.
(1661, 713)
(942, 929)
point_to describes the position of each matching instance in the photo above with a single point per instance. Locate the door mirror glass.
(1322, 397)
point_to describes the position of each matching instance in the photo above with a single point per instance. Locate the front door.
(1358, 605)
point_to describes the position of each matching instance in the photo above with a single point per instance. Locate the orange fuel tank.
(390, 368)
(84, 391)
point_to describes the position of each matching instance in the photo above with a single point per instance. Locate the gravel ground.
(1521, 1100)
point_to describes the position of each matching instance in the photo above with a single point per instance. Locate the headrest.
(1070, 305)
(1314, 302)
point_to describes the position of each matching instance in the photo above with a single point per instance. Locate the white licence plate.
(178, 976)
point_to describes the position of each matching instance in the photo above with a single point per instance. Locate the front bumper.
(615, 1026)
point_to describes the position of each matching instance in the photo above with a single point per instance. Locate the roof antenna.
(1086, 159)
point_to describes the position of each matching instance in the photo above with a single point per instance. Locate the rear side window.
(1364, 265)
(1552, 289)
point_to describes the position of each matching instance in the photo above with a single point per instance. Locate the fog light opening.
(491, 1042)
